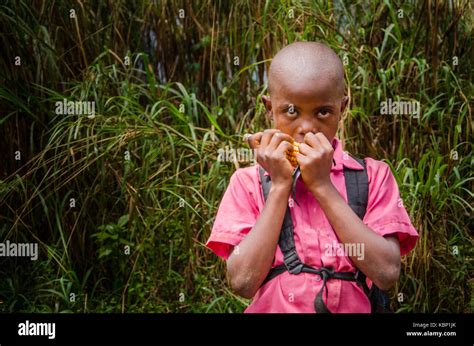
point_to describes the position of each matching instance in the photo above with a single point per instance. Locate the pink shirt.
(241, 206)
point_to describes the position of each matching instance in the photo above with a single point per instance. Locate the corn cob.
(291, 154)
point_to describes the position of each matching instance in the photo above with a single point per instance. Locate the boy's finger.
(283, 147)
(304, 149)
(323, 141)
(278, 138)
(267, 136)
(317, 142)
(300, 158)
(323, 145)
(311, 140)
(253, 140)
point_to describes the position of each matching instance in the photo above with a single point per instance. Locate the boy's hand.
(271, 147)
(315, 158)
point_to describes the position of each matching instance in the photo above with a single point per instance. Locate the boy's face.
(301, 105)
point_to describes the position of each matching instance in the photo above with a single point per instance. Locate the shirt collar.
(342, 158)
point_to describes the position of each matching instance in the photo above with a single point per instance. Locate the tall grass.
(122, 203)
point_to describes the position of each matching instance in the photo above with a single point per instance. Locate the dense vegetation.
(175, 81)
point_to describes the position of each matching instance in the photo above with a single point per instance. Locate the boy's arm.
(252, 259)
(381, 261)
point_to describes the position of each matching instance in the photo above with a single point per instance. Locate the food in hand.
(291, 154)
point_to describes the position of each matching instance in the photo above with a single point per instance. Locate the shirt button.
(314, 210)
(318, 278)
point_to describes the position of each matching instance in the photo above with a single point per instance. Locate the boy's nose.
(306, 128)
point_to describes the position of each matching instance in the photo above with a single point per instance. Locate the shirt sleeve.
(386, 214)
(235, 217)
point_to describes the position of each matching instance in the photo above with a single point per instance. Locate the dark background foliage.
(173, 82)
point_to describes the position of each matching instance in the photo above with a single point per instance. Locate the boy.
(306, 87)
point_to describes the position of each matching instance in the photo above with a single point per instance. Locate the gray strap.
(357, 187)
(287, 240)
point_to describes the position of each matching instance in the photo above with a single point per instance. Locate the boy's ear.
(268, 104)
(344, 103)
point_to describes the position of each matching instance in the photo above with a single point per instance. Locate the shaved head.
(306, 85)
(306, 61)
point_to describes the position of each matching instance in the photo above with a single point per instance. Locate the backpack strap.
(357, 193)
(287, 240)
(357, 188)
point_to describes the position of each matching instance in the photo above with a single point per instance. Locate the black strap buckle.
(293, 263)
(326, 272)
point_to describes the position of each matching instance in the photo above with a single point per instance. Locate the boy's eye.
(291, 110)
(324, 112)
